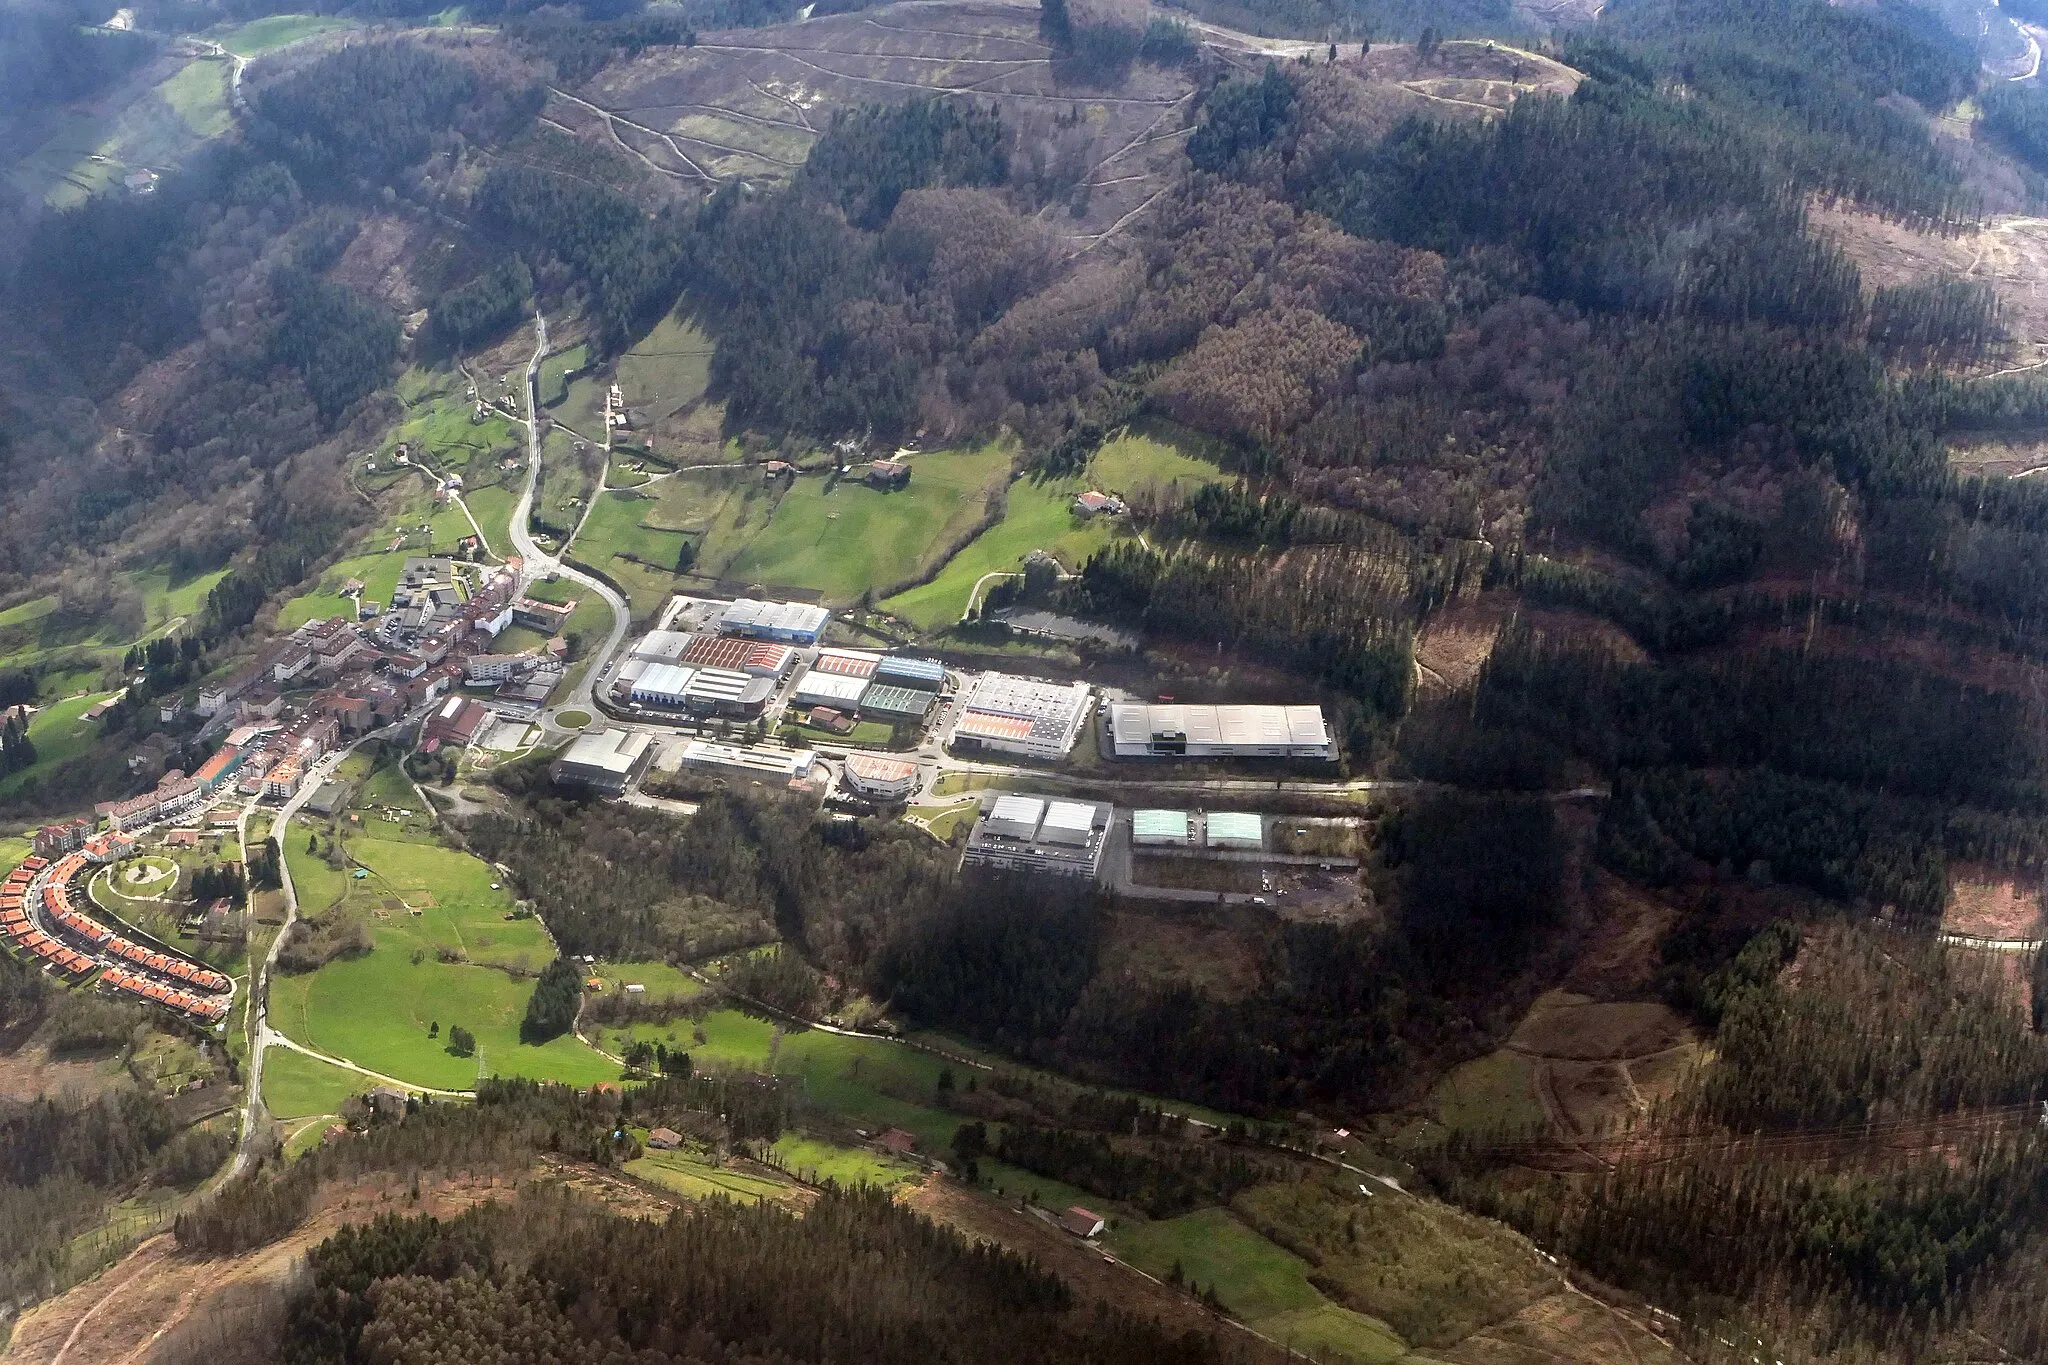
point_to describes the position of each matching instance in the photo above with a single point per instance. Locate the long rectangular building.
(1030, 833)
(789, 623)
(1161, 731)
(1025, 716)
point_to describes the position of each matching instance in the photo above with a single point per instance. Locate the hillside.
(1622, 426)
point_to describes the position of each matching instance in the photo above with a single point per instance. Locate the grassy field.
(198, 94)
(668, 370)
(1265, 1286)
(849, 539)
(943, 820)
(59, 731)
(555, 371)
(868, 1081)
(663, 981)
(815, 1162)
(1490, 1092)
(1432, 1273)
(1039, 516)
(699, 1179)
(278, 30)
(296, 1086)
(492, 508)
(641, 557)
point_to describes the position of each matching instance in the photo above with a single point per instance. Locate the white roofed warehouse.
(788, 623)
(1138, 730)
(1162, 828)
(605, 761)
(1034, 834)
(838, 690)
(664, 685)
(1025, 716)
(1235, 830)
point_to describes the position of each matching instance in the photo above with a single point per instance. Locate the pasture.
(274, 31)
(1157, 459)
(296, 1086)
(666, 370)
(840, 538)
(444, 953)
(59, 731)
(815, 1161)
(697, 1178)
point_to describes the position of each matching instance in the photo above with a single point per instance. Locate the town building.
(54, 841)
(781, 767)
(1138, 730)
(879, 778)
(547, 617)
(788, 623)
(1008, 714)
(606, 761)
(496, 668)
(1029, 833)
(456, 722)
(282, 782)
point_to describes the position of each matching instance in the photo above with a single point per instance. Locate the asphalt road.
(540, 564)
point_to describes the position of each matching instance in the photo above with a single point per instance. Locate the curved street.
(537, 563)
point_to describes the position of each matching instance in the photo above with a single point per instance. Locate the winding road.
(537, 562)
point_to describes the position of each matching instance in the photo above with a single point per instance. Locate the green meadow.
(445, 954)
(278, 30)
(296, 1086)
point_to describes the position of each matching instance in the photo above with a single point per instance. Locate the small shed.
(664, 1139)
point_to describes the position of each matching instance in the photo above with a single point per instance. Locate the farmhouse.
(1141, 731)
(1029, 833)
(888, 474)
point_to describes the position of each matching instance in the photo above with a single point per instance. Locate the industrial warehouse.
(1137, 730)
(1032, 834)
(605, 761)
(1012, 715)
